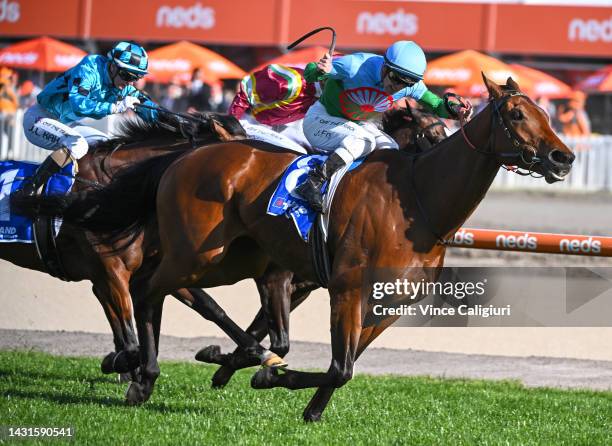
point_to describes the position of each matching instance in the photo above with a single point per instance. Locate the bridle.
(527, 153)
(497, 119)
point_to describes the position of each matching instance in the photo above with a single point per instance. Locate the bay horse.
(394, 211)
(415, 130)
(83, 256)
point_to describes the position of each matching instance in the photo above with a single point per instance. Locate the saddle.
(42, 231)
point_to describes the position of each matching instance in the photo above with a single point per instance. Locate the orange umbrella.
(43, 53)
(599, 81)
(536, 83)
(178, 60)
(462, 72)
(297, 58)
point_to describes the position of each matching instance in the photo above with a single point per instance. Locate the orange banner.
(242, 22)
(60, 18)
(553, 30)
(502, 240)
(377, 24)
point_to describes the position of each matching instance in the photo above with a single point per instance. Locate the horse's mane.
(138, 130)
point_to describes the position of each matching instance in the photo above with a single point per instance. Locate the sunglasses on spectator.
(128, 76)
(399, 79)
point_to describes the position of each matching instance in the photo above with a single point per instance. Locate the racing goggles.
(128, 76)
(399, 78)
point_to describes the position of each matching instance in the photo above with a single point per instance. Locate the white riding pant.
(349, 139)
(262, 132)
(44, 130)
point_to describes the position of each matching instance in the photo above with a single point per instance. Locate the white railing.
(592, 169)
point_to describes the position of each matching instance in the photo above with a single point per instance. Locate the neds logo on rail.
(9, 11)
(196, 16)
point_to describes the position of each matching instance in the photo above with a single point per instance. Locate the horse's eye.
(516, 114)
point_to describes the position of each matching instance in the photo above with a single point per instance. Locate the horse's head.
(222, 126)
(522, 135)
(412, 129)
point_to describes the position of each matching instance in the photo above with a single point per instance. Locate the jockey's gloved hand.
(459, 108)
(126, 104)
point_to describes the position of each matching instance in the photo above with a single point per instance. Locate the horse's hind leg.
(208, 308)
(259, 329)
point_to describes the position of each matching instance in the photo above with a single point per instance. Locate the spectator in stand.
(198, 92)
(9, 102)
(573, 117)
(27, 94)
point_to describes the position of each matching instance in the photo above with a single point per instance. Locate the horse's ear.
(495, 91)
(512, 84)
(220, 131)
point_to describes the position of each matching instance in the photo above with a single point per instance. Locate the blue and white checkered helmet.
(130, 57)
(407, 58)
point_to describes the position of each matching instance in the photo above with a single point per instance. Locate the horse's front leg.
(346, 327)
(321, 398)
(111, 287)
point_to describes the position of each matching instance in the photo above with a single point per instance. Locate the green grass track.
(43, 390)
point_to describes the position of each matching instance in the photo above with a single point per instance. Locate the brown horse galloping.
(84, 257)
(391, 212)
(415, 131)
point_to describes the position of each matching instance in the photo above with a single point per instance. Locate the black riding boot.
(40, 177)
(310, 190)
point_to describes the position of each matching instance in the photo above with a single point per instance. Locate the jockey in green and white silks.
(358, 89)
(98, 86)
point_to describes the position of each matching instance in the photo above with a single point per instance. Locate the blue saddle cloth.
(17, 228)
(294, 207)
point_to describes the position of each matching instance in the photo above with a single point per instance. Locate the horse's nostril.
(559, 157)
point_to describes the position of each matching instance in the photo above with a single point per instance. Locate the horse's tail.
(119, 210)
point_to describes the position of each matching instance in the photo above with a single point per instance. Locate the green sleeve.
(435, 104)
(313, 74)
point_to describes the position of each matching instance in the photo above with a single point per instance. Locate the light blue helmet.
(130, 57)
(407, 58)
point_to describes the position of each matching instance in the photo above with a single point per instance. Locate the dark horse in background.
(394, 211)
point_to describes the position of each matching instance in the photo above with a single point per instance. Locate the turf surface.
(42, 390)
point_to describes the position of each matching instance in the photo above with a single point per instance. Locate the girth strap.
(44, 238)
(320, 254)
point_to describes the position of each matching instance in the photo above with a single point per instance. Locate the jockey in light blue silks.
(97, 87)
(358, 89)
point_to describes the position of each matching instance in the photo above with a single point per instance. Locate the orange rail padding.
(501, 240)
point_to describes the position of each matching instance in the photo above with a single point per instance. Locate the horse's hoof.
(222, 376)
(311, 417)
(207, 354)
(107, 363)
(124, 377)
(263, 378)
(135, 394)
(275, 361)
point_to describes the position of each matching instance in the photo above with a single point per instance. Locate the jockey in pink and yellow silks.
(278, 98)
(358, 89)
